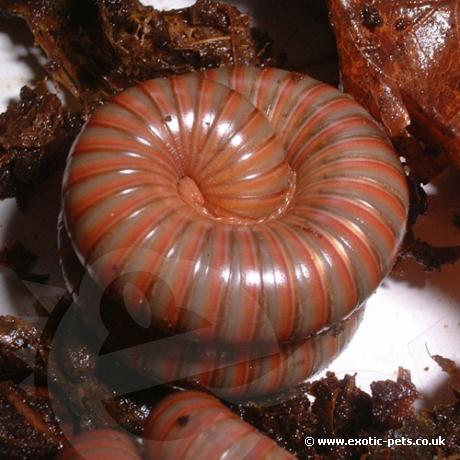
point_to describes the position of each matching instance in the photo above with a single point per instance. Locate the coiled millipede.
(246, 208)
(231, 372)
(196, 425)
(102, 444)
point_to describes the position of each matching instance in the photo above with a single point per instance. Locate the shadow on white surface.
(35, 227)
(416, 314)
(21, 61)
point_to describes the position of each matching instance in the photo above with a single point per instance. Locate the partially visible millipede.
(193, 425)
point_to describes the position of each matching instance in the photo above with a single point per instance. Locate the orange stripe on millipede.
(137, 235)
(349, 146)
(185, 271)
(104, 224)
(285, 291)
(213, 303)
(357, 238)
(89, 144)
(122, 125)
(132, 165)
(358, 210)
(336, 129)
(249, 286)
(362, 165)
(123, 184)
(318, 283)
(290, 125)
(368, 188)
(159, 248)
(304, 107)
(335, 256)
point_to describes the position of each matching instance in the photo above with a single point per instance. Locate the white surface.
(408, 316)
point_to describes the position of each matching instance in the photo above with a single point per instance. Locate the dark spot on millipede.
(183, 421)
(167, 118)
(296, 76)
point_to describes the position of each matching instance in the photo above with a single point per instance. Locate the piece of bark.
(35, 135)
(28, 428)
(393, 402)
(401, 60)
(24, 348)
(21, 352)
(449, 366)
(97, 48)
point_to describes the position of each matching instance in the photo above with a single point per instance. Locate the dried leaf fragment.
(401, 60)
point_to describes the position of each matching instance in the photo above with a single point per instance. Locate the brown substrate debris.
(83, 399)
(341, 410)
(97, 48)
(36, 133)
(28, 427)
(401, 60)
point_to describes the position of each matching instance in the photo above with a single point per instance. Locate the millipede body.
(192, 425)
(247, 208)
